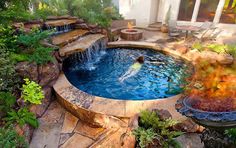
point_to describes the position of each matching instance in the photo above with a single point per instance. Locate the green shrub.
(21, 117)
(21, 57)
(231, 133)
(144, 137)
(150, 120)
(231, 50)
(38, 53)
(32, 40)
(98, 12)
(198, 46)
(8, 77)
(14, 11)
(7, 101)
(10, 139)
(41, 55)
(218, 48)
(8, 38)
(32, 92)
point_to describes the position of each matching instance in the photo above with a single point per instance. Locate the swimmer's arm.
(154, 62)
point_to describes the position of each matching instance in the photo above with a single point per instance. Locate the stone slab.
(85, 130)
(68, 37)
(62, 22)
(48, 133)
(80, 44)
(70, 122)
(190, 141)
(77, 141)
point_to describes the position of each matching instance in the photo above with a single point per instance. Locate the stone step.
(152, 29)
(65, 38)
(155, 25)
(110, 139)
(80, 44)
(62, 22)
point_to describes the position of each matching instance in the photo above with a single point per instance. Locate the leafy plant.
(7, 101)
(22, 117)
(10, 139)
(145, 137)
(8, 38)
(198, 46)
(150, 120)
(231, 50)
(32, 92)
(97, 12)
(21, 57)
(41, 55)
(32, 40)
(8, 76)
(14, 10)
(36, 52)
(218, 48)
(231, 133)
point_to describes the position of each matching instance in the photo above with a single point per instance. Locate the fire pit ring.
(131, 34)
(208, 119)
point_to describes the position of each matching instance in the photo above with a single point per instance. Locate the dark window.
(207, 10)
(229, 12)
(186, 10)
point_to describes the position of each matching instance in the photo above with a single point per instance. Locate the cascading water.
(60, 29)
(87, 59)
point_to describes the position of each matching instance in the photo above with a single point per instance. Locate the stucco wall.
(148, 11)
(136, 9)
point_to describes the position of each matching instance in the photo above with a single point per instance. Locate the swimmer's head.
(140, 59)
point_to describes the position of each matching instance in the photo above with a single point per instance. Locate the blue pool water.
(98, 73)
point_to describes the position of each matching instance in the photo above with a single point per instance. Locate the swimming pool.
(98, 72)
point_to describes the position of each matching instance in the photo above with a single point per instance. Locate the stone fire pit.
(131, 34)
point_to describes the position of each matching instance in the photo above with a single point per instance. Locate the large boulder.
(193, 54)
(210, 56)
(48, 73)
(82, 26)
(163, 114)
(181, 48)
(225, 59)
(188, 126)
(28, 70)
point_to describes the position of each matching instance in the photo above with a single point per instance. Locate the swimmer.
(133, 69)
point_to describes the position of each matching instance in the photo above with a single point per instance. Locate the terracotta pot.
(164, 28)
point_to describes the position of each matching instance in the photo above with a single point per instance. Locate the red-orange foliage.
(213, 87)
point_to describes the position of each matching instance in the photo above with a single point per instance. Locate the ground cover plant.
(153, 131)
(215, 47)
(10, 139)
(212, 87)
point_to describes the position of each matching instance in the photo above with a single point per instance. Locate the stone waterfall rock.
(48, 73)
(28, 70)
(225, 59)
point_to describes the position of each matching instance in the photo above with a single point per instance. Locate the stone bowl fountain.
(216, 120)
(215, 123)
